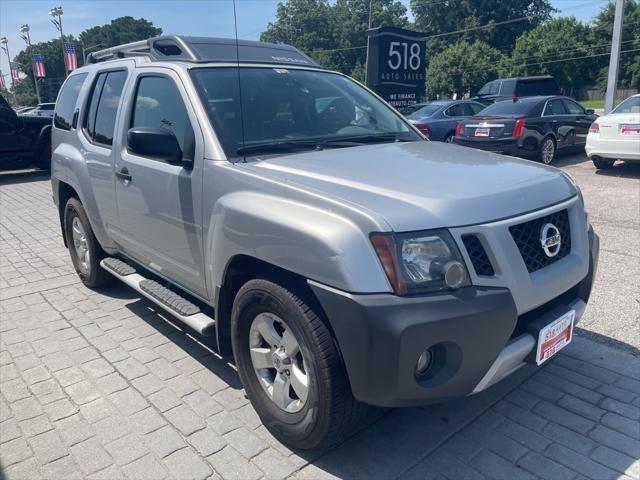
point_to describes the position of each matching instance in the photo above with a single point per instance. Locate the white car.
(616, 136)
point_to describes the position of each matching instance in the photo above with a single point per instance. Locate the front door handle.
(123, 175)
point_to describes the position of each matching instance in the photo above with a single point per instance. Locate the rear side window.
(100, 120)
(475, 108)
(158, 104)
(457, 110)
(530, 88)
(554, 107)
(66, 104)
(573, 108)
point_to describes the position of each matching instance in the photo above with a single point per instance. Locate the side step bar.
(170, 301)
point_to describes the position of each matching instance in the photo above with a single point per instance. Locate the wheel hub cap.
(81, 245)
(278, 362)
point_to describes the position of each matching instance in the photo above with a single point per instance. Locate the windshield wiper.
(341, 141)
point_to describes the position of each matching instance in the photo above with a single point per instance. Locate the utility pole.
(366, 61)
(614, 60)
(56, 14)
(24, 34)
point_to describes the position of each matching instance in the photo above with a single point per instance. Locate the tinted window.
(457, 110)
(554, 107)
(108, 107)
(159, 105)
(67, 101)
(508, 87)
(490, 88)
(573, 108)
(530, 88)
(90, 116)
(509, 108)
(475, 107)
(47, 106)
(425, 111)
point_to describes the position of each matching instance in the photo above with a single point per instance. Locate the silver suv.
(289, 213)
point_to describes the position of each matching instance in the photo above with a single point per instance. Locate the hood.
(422, 185)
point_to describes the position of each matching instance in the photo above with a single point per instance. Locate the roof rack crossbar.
(139, 48)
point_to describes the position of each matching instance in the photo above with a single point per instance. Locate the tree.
(120, 30)
(463, 67)
(436, 18)
(332, 32)
(549, 49)
(629, 69)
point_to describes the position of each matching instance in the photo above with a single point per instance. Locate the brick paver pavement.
(103, 385)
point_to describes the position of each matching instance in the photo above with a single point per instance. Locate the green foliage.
(121, 30)
(549, 49)
(463, 67)
(332, 32)
(629, 70)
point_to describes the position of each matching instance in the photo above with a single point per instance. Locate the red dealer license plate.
(482, 132)
(554, 337)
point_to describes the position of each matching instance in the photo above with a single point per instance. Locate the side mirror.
(158, 143)
(590, 111)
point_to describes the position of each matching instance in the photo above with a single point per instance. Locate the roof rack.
(205, 50)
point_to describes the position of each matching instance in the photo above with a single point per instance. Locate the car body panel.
(21, 137)
(610, 143)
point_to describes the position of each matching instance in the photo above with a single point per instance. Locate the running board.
(170, 301)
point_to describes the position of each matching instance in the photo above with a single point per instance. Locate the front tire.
(84, 248)
(290, 367)
(547, 151)
(603, 163)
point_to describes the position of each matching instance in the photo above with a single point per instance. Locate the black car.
(532, 127)
(24, 140)
(509, 88)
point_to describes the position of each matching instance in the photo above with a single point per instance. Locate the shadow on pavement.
(23, 176)
(622, 169)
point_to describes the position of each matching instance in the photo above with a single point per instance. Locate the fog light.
(454, 274)
(424, 362)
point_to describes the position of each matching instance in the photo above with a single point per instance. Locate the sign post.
(396, 64)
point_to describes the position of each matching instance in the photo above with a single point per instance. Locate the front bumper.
(477, 336)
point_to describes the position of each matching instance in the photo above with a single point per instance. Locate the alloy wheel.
(81, 245)
(278, 362)
(548, 151)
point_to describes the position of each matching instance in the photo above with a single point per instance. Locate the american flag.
(38, 65)
(2, 84)
(70, 59)
(15, 71)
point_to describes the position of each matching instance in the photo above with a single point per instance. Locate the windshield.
(425, 111)
(508, 108)
(630, 105)
(254, 106)
(490, 88)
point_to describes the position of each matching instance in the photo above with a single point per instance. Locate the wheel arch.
(62, 193)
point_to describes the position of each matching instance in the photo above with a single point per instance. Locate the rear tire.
(547, 151)
(43, 157)
(84, 248)
(449, 137)
(603, 163)
(326, 411)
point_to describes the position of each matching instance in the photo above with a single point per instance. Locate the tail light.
(424, 128)
(458, 129)
(594, 128)
(518, 130)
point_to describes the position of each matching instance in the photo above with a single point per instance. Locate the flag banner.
(15, 71)
(38, 66)
(2, 84)
(70, 59)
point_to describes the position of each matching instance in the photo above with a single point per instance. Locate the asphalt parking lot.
(100, 384)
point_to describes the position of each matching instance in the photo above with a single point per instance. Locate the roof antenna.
(241, 109)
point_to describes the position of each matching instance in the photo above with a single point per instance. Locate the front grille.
(527, 238)
(477, 254)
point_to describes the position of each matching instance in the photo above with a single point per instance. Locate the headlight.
(421, 262)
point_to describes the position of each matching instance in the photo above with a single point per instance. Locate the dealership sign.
(396, 64)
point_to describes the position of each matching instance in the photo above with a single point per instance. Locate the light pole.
(24, 34)
(4, 43)
(56, 19)
(614, 59)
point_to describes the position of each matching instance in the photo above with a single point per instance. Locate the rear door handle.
(123, 175)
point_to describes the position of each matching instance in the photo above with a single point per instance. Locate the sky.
(194, 17)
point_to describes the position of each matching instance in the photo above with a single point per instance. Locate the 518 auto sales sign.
(396, 64)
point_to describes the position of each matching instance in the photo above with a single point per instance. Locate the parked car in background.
(616, 136)
(437, 120)
(23, 110)
(24, 139)
(42, 110)
(531, 127)
(509, 88)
